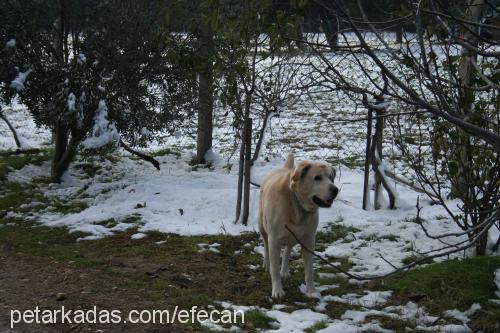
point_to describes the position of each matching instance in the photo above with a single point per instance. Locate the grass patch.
(16, 162)
(412, 258)
(378, 238)
(68, 207)
(453, 284)
(166, 151)
(316, 327)
(333, 232)
(256, 320)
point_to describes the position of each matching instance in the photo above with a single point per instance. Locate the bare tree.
(446, 75)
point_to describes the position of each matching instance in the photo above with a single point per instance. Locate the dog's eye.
(317, 178)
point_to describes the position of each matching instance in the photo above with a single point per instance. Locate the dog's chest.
(304, 229)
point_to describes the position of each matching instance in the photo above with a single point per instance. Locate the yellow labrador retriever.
(291, 196)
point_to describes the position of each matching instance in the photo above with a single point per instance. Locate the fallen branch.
(145, 157)
(405, 182)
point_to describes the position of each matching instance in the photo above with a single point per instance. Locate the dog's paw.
(285, 274)
(278, 292)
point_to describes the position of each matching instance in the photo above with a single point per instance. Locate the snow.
(212, 157)
(138, 235)
(81, 59)
(296, 321)
(103, 132)
(10, 43)
(71, 102)
(463, 316)
(18, 82)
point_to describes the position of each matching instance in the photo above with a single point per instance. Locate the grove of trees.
(100, 74)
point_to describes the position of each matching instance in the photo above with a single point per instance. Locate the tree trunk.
(205, 98)
(463, 180)
(331, 29)
(12, 129)
(399, 34)
(61, 145)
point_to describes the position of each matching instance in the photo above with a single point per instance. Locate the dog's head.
(313, 183)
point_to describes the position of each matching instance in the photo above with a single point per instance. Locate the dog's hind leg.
(274, 267)
(265, 262)
(285, 259)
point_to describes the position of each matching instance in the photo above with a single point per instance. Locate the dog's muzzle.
(334, 191)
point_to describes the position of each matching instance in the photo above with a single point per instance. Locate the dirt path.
(27, 282)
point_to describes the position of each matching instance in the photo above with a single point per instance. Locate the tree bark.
(331, 29)
(61, 144)
(205, 98)
(248, 169)
(466, 73)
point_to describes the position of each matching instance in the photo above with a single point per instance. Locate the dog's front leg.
(285, 268)
(274, 267)
(309, 242)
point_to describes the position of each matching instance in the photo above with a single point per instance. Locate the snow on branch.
(103, 132)
(18, 82)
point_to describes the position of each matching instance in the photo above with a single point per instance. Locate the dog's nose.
(334, 191)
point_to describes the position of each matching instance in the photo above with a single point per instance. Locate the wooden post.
(366, 190)
(248, 166)
(376, 156)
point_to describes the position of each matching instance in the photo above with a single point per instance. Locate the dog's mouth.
(322, 203)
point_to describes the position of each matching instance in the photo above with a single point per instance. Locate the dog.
(291, 196)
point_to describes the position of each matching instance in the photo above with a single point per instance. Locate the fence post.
(380, 179)
(248, 166)
(366, 190)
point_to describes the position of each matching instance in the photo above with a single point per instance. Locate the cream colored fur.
(291, 196)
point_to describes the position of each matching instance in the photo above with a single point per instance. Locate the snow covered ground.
(127, 193)
(180, 199)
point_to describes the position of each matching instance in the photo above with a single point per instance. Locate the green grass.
(377, 238)
(16, 162)
(316, 327)
(333, 232)
(166, 151)
(256, 320)
(412, 258)
(453, 284)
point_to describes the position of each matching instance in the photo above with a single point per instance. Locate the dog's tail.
(289, 164)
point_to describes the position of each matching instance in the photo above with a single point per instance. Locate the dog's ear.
(300, 172)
